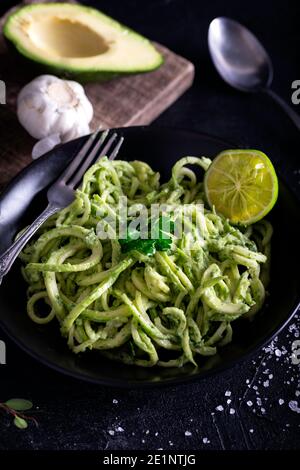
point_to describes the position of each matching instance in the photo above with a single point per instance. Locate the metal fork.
(62, 192)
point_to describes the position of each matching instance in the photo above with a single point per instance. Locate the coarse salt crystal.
(293, 405)
(187, 433)
(232, 411)
(220, 408)
(281, 401)
(249, 403)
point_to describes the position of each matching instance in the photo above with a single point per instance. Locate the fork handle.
(9, 256)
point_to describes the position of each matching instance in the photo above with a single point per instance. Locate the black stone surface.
(264, 412)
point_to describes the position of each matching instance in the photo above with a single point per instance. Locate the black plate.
(25, 198)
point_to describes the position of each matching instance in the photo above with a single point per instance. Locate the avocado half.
(77, 41)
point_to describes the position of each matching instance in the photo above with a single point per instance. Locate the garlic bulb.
(49, 106)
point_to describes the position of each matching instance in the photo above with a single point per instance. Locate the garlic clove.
(64, 122)
(45, 145)
(78, 130)
(84, 105)
(37, 114)
(85, 110)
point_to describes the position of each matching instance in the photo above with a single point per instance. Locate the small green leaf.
(18, 404)
(20, 423)
(148, 246)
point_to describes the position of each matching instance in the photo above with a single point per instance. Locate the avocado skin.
(34, 67)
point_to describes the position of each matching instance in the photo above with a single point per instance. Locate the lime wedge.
(241, 185)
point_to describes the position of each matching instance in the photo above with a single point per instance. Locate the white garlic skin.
(49, 105)
(45, 145)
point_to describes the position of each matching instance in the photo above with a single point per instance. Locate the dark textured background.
(264, 392)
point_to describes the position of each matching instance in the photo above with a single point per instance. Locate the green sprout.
(15, 408)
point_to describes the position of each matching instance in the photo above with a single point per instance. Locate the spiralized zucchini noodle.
(165, 309)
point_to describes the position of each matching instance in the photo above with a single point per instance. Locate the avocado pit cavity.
(64, 37)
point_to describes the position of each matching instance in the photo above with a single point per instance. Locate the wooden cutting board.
(126, 101)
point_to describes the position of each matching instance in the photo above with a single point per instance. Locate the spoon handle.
(286, 107)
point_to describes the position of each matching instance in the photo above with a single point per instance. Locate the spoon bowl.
(238, 56)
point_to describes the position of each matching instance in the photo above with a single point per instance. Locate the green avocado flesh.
(78, 41)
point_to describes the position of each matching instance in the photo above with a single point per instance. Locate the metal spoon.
(242, 61)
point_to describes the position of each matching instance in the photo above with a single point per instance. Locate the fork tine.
(93, 157)
(108, 145)
(116, 149)
(71, 168)
(89, 159)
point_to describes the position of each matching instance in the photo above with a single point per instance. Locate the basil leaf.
(20, 423)
(18, 404)
(149, 246)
